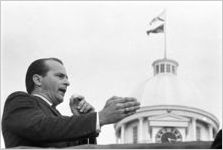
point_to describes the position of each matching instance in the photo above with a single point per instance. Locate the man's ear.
(37, 79)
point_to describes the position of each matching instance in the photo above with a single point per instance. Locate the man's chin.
(60, 99)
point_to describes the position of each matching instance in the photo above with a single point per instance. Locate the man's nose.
(66, 82)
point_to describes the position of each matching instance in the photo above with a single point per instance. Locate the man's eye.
(60, 76)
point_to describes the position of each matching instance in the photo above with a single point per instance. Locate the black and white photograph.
(111, 74)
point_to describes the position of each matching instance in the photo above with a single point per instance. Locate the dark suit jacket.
(217, 144)
(30, 121)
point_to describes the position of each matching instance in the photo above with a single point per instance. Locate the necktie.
(55, 111)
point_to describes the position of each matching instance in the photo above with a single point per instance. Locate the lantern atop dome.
(167, 66)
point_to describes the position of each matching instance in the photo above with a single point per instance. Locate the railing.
(178, 145)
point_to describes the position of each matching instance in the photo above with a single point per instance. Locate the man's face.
(55, 82)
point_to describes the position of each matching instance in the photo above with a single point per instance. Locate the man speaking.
(31, 119)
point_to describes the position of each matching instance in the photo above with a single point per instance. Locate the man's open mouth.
(62, 90)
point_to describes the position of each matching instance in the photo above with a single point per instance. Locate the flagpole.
(165, 34)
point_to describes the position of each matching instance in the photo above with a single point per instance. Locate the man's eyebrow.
(59, 73)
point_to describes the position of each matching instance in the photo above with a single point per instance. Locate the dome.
(169, 106)
(166, 88)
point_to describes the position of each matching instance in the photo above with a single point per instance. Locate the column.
(187, 133)
(210, 128)
(194, 135)
(148, 132)
(123, 134)
(140, 130)
(117, 142)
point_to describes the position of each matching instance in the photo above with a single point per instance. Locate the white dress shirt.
(43, 98)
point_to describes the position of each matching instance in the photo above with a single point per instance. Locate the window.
(173, 69)
(162, 68)
(168, 68)
(157, 68)
(198, 130)
(135, 134)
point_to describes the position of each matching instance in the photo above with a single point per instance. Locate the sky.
(105, 49)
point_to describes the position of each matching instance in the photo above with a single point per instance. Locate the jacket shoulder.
(17, 94)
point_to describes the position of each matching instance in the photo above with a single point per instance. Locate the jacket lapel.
(51, 108)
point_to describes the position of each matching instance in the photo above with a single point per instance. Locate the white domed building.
(168, 111)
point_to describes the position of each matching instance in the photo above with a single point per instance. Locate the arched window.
(135, 134)
(173, 69)
(167, 67)
(162, 68)
(157, 68)
(198, 130)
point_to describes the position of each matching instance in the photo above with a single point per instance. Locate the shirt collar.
(43, 98)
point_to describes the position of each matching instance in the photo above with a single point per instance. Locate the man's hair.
(37, 67)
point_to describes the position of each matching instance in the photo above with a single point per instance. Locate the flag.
(158, 29)
(160, 17)
(157, 23)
